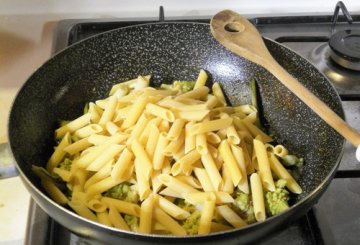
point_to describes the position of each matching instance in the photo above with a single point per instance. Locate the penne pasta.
(176, 129)
(176, 184)
(230, 216)
(206, 217)
(134, 113)
(146, 215)
(161, 112)
(59, 153)
(123, 163)
(282, 173)
(116, 219)
(204, 179)
(201, 144)
(201, 80)
(159, 157)
(212, 171)
(109, 153)
(166, 157)
(264, 165)
(171, 209)
(217, 91)
(257, 197)
(73, 125)
(167, 221)
(230, 162)
(210, 126)
(142, 157)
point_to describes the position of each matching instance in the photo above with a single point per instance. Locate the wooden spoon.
(238, 35)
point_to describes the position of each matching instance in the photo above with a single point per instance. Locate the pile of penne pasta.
(168, 145)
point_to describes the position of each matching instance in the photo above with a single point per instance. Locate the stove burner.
(345, 48)
(346, 81)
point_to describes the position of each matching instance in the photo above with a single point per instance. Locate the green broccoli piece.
(191, 223)
(295, 163)
(181, 86)
(132, 221)
(277, 201)
(244, 207)
(292, 160)
(66, 164)
(123, 191)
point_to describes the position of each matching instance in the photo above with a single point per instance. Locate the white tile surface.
(14, 207)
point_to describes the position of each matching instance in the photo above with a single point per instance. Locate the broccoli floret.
(292, 160)
(132, 221)
(66, 164)
(181, 86)
(278, 200)
(295, 163)
(191, 223)
(123, 191)
(244, 207)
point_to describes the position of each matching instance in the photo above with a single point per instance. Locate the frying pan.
(85, 72)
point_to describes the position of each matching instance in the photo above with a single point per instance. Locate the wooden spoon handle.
(238, 35)
(318, 106)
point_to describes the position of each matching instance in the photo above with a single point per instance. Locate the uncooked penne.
(159, 157)
(210, 126)
(172, 149)
(230, 216)
(257, 197)
(185, 162)
(123, 163)
(212, 171)
(59, 153)
(73, 125)
(106, 156)
(109, 111)
(172, 209)
(204, 179)
(230, 162)
(190, 140)
(207, 214)
(135, 112)
(176, 129)
(217, 91)
(161, 112)
(81, 209)
(146, 215)
(176, 184)
(143, 184)
(201, 79)
(282, 173)
(78, 146)
(174, 227)
(201, 144)
(264, 165)
(143, 157)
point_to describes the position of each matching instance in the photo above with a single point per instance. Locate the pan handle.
(7, 162)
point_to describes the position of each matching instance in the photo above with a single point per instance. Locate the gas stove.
(335, 218)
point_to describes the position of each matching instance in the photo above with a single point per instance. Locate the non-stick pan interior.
(171, 51)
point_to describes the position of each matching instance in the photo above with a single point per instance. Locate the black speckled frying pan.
(86, 71)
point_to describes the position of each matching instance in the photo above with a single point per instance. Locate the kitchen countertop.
(26, 36)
